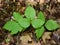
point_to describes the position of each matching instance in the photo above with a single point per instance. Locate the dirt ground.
(51, 9)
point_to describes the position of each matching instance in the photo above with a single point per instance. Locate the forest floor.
(51, 9)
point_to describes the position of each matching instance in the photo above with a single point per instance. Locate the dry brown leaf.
(27, 37)
(41, 1)
(31, 2)
(46, 36)
(58, 1)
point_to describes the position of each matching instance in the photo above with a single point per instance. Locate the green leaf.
(17, 16)
(36, 23)
(41, 16)
(30, 12)
(13, 27)
(51, 25)
(14, 32)
(22, 21)
(39, 32)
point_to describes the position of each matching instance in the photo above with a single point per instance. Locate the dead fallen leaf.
(27, 37)
(41, 2)
(46, 36)
(31, 2)
(58, 1)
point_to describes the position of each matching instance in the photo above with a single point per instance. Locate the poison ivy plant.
(19, 23)
(36, 23)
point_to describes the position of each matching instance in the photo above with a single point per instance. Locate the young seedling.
(7, 40)
(19, 24)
